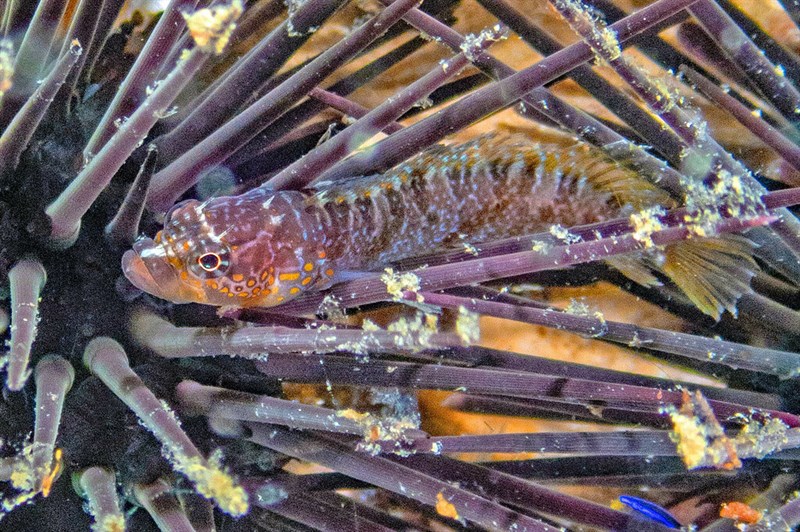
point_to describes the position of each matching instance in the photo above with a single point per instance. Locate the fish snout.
(147, 268)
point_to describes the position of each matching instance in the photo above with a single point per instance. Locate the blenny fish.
(263, 247)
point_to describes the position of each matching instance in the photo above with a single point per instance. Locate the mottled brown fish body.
(487, 189)
(263, 248)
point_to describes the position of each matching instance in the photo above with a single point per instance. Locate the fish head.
(256, 250)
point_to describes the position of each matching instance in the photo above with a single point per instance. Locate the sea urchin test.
(265, 247)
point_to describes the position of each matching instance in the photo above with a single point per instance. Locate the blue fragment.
(650, 510)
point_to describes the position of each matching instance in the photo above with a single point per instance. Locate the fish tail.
(713, 272)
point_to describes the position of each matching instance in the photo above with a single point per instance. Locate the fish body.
(487, 189)
(265, 247)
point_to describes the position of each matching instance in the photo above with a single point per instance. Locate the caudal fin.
(713, 272)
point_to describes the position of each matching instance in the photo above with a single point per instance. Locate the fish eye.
(209, 264)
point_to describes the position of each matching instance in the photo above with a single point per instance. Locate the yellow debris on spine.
(213, 482)
(110, 523)
(699, 437)
(55, 472)
(446, 508)
(468, 326)
(645, 223)
(211, 27)
(397, 283)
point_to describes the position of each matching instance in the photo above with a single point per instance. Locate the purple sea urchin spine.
(82, 29)
(765, 132)
(54, 378)
(509, 489)
(705, 161)
(99, 487)
(257, 342)
(789, 514)
(286, 126)
(17, 135)
(172, 181)
(657, 97)
(339, 370)
(245, 77)
(142, 73)
(773, 85)
(163, 506)
(322, 515)
(505, 361)
(108, 361)
(67, 210)
(103, 27)
(210, 401)
(556, 109)
(305, 170)
(622, 443)
(393, 477)
(348, 107)
(124, 227)
(40, 37)
(577, 411)
(781, 363)
(619, 443)
(276, 488)
(26, 280)
(489, 99)
(611, 97)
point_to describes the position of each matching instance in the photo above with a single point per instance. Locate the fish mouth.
(146, 266)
